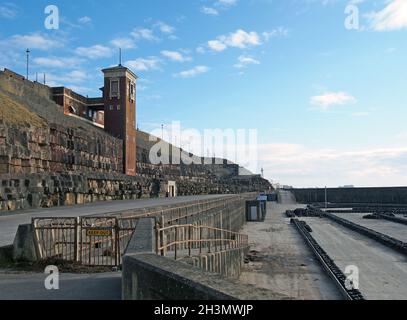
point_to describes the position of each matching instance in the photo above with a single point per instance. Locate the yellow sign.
(99, 232)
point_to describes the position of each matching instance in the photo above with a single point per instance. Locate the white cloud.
(277, 32)
(76, 76)
(200, 50)
(244, 61)
(392, 17)
(238, 39)
(226, 3)
(330, 99)
(210, 11)
(124, 43)
(165, 28)
(54, 62)
(85, 20)
(94, 52)
(302, 166)
(217, 45)
(8, 11)
(218, 6)
(143, 64)
(192, 72)
(33, 41)
(144, 33)
(175, 56)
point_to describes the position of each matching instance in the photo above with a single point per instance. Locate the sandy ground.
(286, 265)
(382, 271)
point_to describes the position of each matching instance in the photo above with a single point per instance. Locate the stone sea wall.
(50, 159)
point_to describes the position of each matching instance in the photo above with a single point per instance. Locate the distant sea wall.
(395, 195)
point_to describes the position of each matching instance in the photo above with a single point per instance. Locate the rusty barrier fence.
(91, 241)
(179, 241)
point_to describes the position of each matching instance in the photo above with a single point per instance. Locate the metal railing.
(103, 240)
(191, 239)
(177, 213)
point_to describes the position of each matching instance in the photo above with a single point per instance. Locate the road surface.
(28, 286)
(9, 222)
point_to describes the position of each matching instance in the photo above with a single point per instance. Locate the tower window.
(114, 88)
(118, 108)
(132, 91)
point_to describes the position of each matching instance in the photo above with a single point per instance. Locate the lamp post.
(28, 60)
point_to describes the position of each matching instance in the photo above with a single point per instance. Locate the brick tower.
(119, 95)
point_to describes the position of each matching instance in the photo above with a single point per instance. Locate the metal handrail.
(239, 240)
(200, 202)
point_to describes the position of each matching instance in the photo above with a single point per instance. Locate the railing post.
(157, 238)
(200, 239)
(176, 242)
(117, 255)
(209, 240)
(189, 240)
(76, 239)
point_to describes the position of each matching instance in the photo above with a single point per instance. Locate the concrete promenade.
(286, 265)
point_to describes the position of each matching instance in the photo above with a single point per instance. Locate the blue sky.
(329, 103)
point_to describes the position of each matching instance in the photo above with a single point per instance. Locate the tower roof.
(120, 69)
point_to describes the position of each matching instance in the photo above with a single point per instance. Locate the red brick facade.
(115, 111)
(120, 111)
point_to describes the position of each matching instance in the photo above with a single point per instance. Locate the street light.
(28, 59)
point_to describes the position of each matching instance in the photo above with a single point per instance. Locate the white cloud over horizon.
(330, 99)
(301, 166)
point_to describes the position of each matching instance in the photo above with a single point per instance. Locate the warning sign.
(99, 232)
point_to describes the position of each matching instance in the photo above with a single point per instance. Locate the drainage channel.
(340, 280)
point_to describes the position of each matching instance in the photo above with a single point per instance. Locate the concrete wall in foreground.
(353, 195)
(147, 276)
